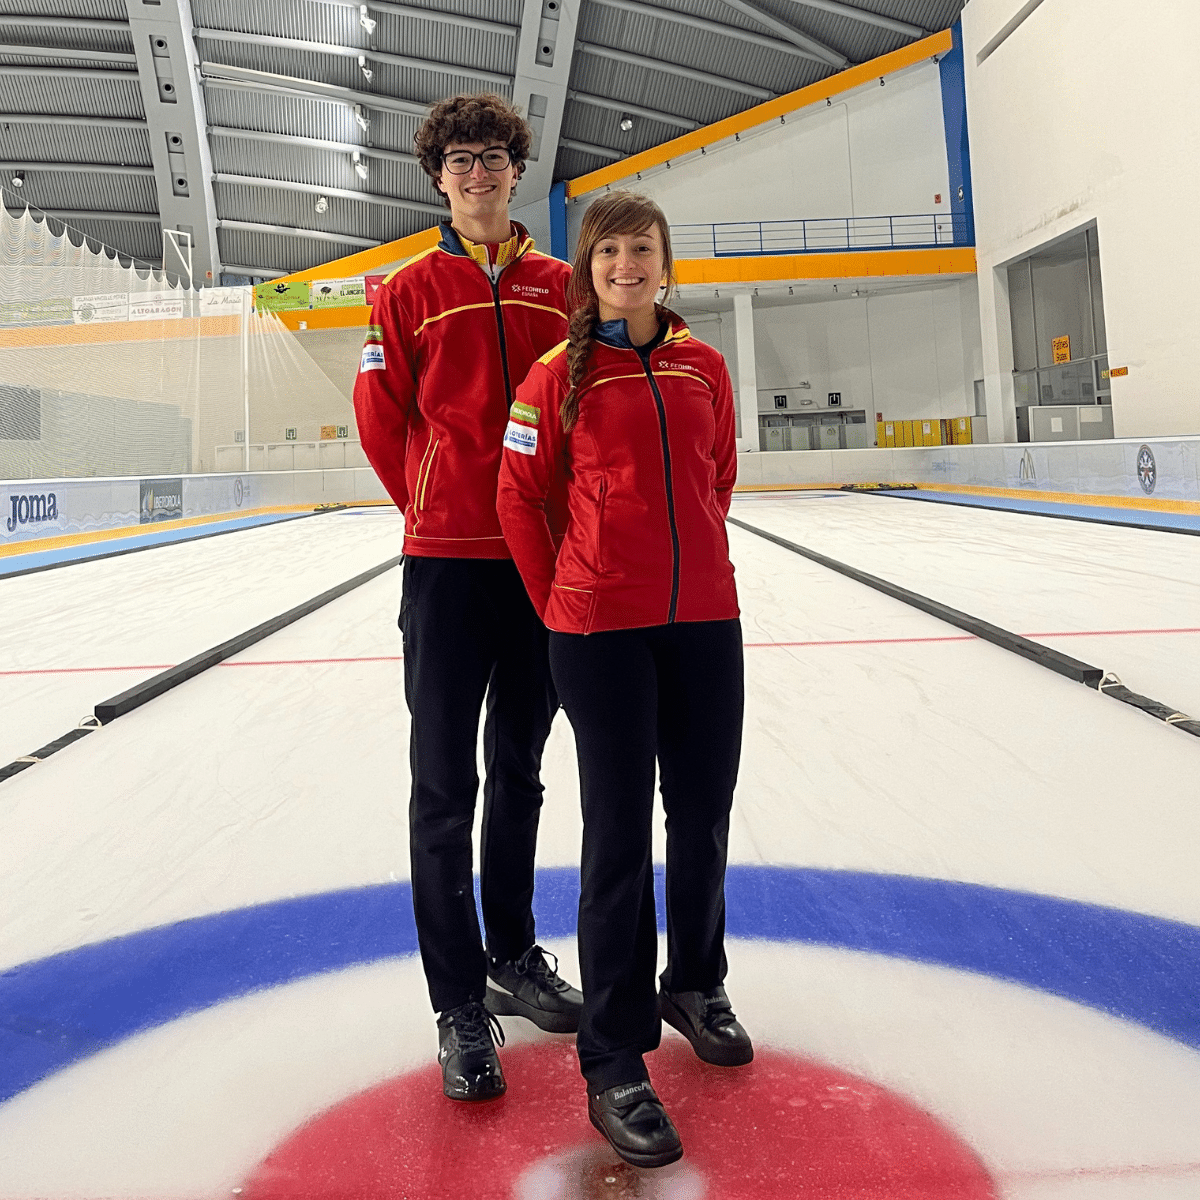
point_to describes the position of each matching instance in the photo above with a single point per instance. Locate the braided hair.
(615, 213)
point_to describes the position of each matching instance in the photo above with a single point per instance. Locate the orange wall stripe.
(366, 262)
(781, 106)
(853, 264)
(176, 330)
(358, 316)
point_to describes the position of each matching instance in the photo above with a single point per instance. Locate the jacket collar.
(615, 334)
(517, 246)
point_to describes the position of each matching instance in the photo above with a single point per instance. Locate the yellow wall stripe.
(851, 264)
(367, 262)
(772, 110)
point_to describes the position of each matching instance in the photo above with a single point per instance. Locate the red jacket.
(444, 354)
(650, 463)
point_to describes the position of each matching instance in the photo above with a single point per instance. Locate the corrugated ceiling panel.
(90, 190)
(274, 112)
(61, 58)
(426, 87)
(652, 89)
(57, 94)
(598, 126)
(59, 141)
(275, 252)
(445, 43)
(140, 240)
(265, 205)
(507, 12)
(394, 130)
(572, 163)
(106, 10)
(42, 31)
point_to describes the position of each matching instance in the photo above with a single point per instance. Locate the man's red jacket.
(650, 464)
(445, 352)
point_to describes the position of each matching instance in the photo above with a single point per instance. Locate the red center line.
(305, 662)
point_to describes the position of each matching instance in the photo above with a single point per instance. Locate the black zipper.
(662, 428)
(503, 344)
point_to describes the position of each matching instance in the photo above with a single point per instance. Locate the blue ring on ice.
(58, 1010)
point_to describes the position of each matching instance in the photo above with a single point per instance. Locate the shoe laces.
(477, 1029)
(533, 965)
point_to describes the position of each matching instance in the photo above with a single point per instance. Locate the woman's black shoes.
(467, 1038)
(632, 1118)
(706, 1019)
(530, 987)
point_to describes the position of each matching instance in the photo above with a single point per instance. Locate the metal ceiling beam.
(434, 14)
(654, 64)
(286, 139)
(619, 106)
(867, 18)
(91, 73)
(72, 119)
(342, 239)
(731, 31)
(66, 168)
(379, 56)
(18, 21)
(316, 189)
(264, 272)
(589, 148)
(222, 75)
(84, 214)
(106, 56)
(827, 53)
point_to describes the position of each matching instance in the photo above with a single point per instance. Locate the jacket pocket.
(424, 474)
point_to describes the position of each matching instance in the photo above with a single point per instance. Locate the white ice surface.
(877, 738)
(1032, 575)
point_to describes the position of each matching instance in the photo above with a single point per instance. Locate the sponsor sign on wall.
(56, 311)
(95, 310)
(339, 293)
(161, 500)
(162, 305)
(282, 297)
(30, 512)
(220, 301)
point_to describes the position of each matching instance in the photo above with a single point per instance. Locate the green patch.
(374, 333)
(526, 413)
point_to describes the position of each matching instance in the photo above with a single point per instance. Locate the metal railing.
(821, 235)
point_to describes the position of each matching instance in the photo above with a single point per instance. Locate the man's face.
(480, 193)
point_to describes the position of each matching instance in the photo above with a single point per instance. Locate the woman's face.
(627, 271)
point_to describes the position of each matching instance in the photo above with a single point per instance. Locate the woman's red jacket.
(650, 465)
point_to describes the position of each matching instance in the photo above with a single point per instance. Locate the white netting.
(107, 369)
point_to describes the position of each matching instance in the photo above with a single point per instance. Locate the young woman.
(645, 649)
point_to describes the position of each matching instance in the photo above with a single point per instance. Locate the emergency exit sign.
(835, 399)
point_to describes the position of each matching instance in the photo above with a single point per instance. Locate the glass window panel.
(1020, 305)
(1060, 296)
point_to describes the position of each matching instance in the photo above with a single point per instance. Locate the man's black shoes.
(529, 987)
(632, 1118)
(467, 1038)
(706, 1019)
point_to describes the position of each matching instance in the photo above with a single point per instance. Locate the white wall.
(876, 151)
(1088, 112)
(908, 354)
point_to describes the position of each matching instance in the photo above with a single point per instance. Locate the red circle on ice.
(784, 1126)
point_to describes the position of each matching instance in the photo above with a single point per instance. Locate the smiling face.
(478, 199)
(628, 269)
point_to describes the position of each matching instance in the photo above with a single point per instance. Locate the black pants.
(470, 634)
(672, 693)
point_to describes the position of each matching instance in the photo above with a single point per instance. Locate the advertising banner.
(56, 311)
(162, 305)
(282, 297)
(94, 310)
(161, 500)
(338, 293)
(221, 301)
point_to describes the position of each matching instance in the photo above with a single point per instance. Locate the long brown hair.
(616, 213)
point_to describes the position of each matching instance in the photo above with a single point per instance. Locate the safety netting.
(110, 368)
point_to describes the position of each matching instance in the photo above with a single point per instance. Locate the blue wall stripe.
(958, 150)
(58, 1010)
(558, 221)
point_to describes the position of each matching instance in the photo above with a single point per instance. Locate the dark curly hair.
(471, 117)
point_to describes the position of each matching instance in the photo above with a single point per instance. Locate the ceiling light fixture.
(368, 23)
(368, 74)
(322, 204)
(18, 179)
(364, 122)
(359, 165)
(625, 124)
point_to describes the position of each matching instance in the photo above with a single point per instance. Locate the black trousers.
(472, 636)
(671, 693)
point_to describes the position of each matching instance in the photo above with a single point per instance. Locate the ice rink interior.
(964, 928)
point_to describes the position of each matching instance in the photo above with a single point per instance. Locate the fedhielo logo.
(1147, 470)
(31, 510)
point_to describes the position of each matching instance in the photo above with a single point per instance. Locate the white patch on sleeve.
(521, 438)
(372, 358)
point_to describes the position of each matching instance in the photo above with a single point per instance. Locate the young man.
(453, 332)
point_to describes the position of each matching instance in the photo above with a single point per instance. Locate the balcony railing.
(821, 235)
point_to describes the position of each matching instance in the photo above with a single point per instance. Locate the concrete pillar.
(995, 328)
(746, 384)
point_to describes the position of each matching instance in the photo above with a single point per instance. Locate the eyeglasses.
(462, 162)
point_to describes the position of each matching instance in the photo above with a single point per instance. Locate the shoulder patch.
(528, 413)
(374, 334)
(521, 438)
(372, 358)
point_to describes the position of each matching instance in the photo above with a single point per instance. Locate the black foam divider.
(1052, 660)
(1112, 686)
(164, 681)
(18, 765)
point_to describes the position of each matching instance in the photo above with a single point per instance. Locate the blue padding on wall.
(958, 150)
(558, 221)
(58, 1010)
